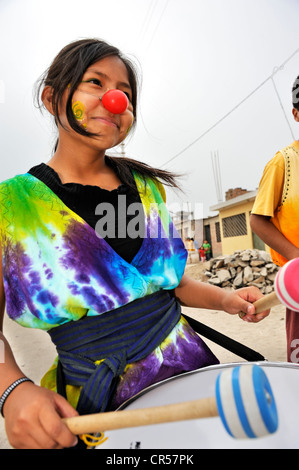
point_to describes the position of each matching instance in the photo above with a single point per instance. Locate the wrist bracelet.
(10, 389)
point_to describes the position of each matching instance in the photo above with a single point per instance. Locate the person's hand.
(240, 302)
(33, 418)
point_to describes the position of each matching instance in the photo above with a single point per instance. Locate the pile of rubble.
(242, 269)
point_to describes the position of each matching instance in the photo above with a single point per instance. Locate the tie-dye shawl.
(57, 269)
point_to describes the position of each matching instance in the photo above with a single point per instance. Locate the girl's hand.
(240, 302)
(33, 418)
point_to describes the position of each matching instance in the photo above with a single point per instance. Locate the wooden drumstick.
(286, 289)
(235, 388)
(110, 420)
(266, 302)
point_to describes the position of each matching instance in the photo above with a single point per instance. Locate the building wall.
(236, 242)
(216, 238)
(221, 229)
(198, 231)
(234, 192)
(231, 241)
(215, 235)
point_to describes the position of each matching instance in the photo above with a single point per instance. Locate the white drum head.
(209, 433)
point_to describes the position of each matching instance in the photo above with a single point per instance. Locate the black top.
(111, 220)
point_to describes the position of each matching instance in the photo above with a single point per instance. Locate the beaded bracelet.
(10, 389)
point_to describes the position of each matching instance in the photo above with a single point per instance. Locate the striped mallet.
(286, 289)
(243, 400)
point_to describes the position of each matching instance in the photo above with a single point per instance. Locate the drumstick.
(286, 289)
(110, 420)
(266, 302)
(235, 388)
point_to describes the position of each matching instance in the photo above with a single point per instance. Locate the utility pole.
(217, 175)
(123, 152)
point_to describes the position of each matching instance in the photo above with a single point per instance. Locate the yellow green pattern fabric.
(56, 269)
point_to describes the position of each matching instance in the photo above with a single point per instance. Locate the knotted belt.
(118, 337)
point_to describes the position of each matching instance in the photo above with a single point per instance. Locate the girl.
(110, 299)
(202, 254)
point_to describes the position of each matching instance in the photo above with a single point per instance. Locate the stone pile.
(242, 269)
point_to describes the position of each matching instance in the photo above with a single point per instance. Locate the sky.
(216, 79)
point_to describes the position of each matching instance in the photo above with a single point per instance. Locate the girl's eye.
(94, 81)
(127, 95)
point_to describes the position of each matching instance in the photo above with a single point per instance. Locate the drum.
(209, 433)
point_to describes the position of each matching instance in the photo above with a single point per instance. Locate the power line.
(158, 24)
(148, 18)
(234, 108)
(281, 105)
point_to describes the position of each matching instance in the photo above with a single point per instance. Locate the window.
(217, 230)
(234, 226)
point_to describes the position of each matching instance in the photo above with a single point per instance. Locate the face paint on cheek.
(78, 109)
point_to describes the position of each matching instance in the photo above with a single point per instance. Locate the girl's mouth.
(107, 121)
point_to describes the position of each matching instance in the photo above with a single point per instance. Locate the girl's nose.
(115, 101)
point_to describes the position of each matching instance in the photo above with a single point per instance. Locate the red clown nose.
(115, 101)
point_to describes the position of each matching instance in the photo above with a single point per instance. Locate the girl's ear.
(296, 114)
(47, 95)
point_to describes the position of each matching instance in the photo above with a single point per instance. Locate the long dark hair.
(67, 70)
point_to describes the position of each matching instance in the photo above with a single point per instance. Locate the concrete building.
(229, 230)
(234, 214)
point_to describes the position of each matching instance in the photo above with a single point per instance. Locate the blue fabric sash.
(121, 336)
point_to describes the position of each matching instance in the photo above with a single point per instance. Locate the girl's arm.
(197, 294)
(32, 413)
(263, 227)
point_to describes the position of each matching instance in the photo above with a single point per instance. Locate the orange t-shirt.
(278, 196)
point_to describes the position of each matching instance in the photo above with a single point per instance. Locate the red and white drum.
(209, 433)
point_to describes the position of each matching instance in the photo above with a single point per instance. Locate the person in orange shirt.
(275, 216)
